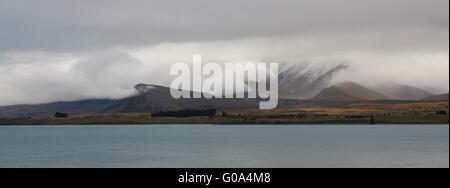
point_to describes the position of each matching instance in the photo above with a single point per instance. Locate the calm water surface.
(224, 146)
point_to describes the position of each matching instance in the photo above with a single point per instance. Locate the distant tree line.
(61, 115)
(186, 113)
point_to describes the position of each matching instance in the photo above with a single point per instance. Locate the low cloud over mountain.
(78, 49)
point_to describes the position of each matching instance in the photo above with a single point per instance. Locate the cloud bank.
(69, 50)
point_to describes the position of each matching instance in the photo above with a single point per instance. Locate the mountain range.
(154, 98)
(149, 98)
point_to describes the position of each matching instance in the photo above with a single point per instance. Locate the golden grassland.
(406, 113)
(423, 108)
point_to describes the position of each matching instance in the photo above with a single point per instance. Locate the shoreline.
(236, 125)
(228, 121)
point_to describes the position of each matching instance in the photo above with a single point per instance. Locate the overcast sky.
(76, 49)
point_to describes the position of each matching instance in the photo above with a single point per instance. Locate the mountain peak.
(442, 97)
(349, 91)
(403, 92)
(296, 82)
(144, 88)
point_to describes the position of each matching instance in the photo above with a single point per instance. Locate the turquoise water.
(224, 146)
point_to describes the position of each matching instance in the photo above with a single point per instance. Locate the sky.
(53, 50)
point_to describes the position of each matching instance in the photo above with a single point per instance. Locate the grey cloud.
(55, 25)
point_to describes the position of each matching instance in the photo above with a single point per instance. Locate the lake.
(232, 146)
